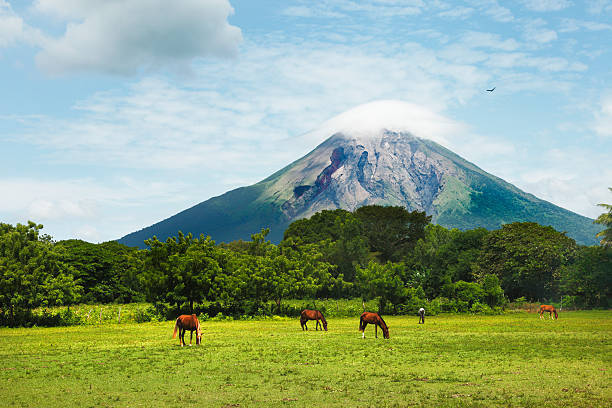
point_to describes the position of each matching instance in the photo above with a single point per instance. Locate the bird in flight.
(491, 90)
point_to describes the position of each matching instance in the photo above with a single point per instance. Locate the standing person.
(421, 316)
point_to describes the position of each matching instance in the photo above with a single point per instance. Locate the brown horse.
(313, 315)
(376, 320)
(184, 323)
(550, 309)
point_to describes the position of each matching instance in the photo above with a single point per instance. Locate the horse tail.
(176, 327)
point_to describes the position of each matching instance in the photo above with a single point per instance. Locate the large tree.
(444, 256)
(31, 271)
(181, 269)
(287, 270)
(527, 259)
(339, 236)
(392, 231)
(589, 277)
(107, 271)
(382, 281)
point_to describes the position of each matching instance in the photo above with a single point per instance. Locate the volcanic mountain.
(369, 163)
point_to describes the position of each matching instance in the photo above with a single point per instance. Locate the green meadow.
(510, 360)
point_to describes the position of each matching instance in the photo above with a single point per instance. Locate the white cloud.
(490, 41)
(571, 25)
(535, 31)
(494, 10)
(14, 30)
(459, 12)
(399, 116)
(11, 25)
(124, 38)
(603, 118)
(546, 5)
(74, 207)
(341, 8)
(42, 209)
(579, 190)
(309, 12)
(599, 6)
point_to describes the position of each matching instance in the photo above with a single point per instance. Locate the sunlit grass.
(508, 360)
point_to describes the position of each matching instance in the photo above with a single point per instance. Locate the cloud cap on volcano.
(370, 119)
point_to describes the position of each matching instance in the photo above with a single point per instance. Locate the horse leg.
(317, 325)
(363, 331)
(182, 336)
(376, 330)
(190, 337)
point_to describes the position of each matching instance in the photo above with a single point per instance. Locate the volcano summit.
(369, 158)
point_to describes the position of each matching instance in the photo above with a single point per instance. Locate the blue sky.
(115, 115)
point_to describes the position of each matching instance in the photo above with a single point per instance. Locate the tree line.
(387, 254)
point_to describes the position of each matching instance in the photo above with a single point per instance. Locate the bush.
(478, 307)
(62, 318)
(147, 314)
(434, 307)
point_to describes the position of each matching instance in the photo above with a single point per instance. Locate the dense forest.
(387, 254)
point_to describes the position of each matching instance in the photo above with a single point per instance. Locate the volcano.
(370, 158)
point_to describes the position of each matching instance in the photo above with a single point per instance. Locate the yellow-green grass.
(512, 360)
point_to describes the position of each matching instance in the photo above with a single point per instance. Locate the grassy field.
(512, 360)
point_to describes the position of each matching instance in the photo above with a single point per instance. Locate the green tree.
(589, 278)
(31, 272)
(444, 256)
(382, 281)
(194, 273)
(161, 277)
(493, 293)
(319, 227)
(606, 220)
(340, 238)
(392, 231)
(527, 258)
(284, 271)
(107, 271)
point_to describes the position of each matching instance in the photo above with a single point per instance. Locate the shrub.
(147, 314)
(478, 307)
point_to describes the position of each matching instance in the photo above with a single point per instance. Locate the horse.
(313, 315)
(376, 320)
(550, 309)
(184, 323)
(421, 316)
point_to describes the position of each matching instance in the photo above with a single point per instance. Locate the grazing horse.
(421, 316)
(376, 320)
(313, 315)
(550, 309)
(184, 323)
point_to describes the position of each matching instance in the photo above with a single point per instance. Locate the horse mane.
(383, 322)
